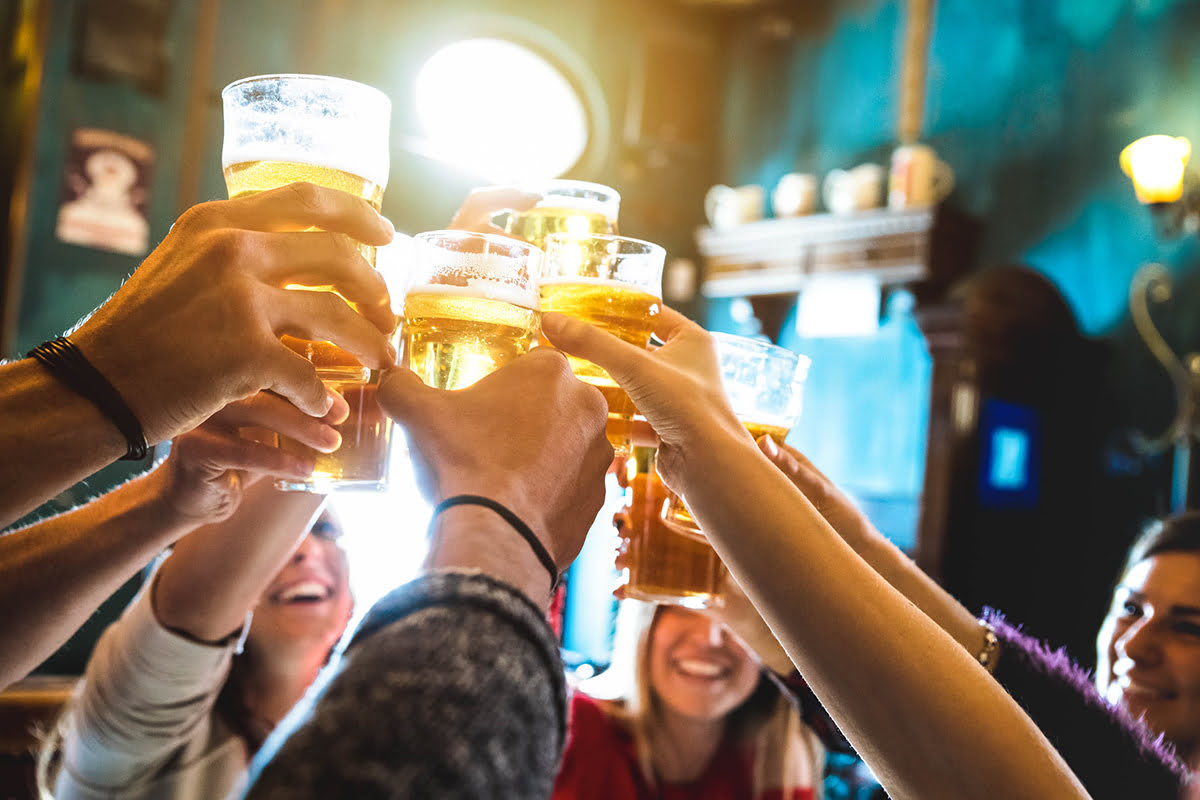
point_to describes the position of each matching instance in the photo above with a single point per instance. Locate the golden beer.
(331, 132)
(676, 513)
(366, 433)
(454, 336)
(248, 177)
(663, 565)
(536, 224)
(625, 311)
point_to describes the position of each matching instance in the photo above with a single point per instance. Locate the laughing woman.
(183, 689)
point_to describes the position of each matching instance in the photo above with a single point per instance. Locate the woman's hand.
(837, 509)
(209, 467)
(676, 387)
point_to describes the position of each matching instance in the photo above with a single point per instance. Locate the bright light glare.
(499, 110)
(1156, 164)
(384, 532)
(841, 305)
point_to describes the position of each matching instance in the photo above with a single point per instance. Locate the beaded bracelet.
(990, 653)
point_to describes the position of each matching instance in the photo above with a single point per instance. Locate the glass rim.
(770, 349)
(305, 77)
(652, 248)
(491, 238)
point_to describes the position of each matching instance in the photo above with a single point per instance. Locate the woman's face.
(697, 668)
(308, 603)
(1149, 647)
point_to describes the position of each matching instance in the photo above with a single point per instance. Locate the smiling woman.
(1148, 649)
(689, 709)
(183, 689)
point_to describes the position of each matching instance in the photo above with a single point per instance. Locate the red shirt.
(601, 763)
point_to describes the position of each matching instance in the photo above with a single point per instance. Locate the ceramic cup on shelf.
(795, 195)
(918, 177)
(858, 189)
(728, 206)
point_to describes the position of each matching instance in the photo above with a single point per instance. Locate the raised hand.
(529, 436)
(210, 467)
(198, 325)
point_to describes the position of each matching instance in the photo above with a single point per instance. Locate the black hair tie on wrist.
(65, 361)
(539, 549)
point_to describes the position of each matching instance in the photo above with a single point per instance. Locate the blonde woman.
(689, 708)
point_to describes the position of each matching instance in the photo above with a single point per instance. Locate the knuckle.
(199, 216)
(308, 197)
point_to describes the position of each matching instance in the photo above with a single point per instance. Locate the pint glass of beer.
(613, 282)
(280, 129)
(471, 305)
(572, 207)
(665, 565)
(765, 387)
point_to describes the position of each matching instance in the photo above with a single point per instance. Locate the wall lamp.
(1158, 167)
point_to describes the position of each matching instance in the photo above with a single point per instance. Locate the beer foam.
(308, 119)
(365, 165)
(653, 291)
(486, 289)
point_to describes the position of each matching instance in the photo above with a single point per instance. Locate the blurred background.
(978, 383)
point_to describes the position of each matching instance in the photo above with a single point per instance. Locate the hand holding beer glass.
(280, 129)
(612, 282)
(668, 558)
(471, 305)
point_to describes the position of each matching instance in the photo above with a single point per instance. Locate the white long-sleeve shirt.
(141, 724)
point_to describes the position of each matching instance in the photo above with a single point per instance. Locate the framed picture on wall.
(106, 184)
(124, 40)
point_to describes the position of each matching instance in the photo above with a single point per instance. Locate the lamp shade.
(1156, 163)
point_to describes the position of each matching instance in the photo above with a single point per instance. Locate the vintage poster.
(105, 190)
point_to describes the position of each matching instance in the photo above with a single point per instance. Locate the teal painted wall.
(374, 41)
(1030, 101)
(64, 282)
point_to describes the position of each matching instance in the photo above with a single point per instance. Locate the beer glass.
(765, 387)
(471, 305)
(572, 207)
(280, 129)
(663, 564)
(613, 282)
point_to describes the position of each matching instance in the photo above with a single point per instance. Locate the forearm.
(881, 667)
(907, 578)
(216, 574)
(58, 571)
(467, 699)
(53, 438)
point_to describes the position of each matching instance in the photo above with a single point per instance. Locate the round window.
(500, 110)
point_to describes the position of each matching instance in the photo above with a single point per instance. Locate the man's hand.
(529, 436)
(198, 325)
(209, 467)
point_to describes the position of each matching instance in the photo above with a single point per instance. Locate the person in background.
(1113, 754)
(195, 328)
(225, 637)
(689, 708)
(1148, 648)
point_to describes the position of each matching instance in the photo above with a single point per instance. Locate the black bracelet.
(65, 361)
(539, 549)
